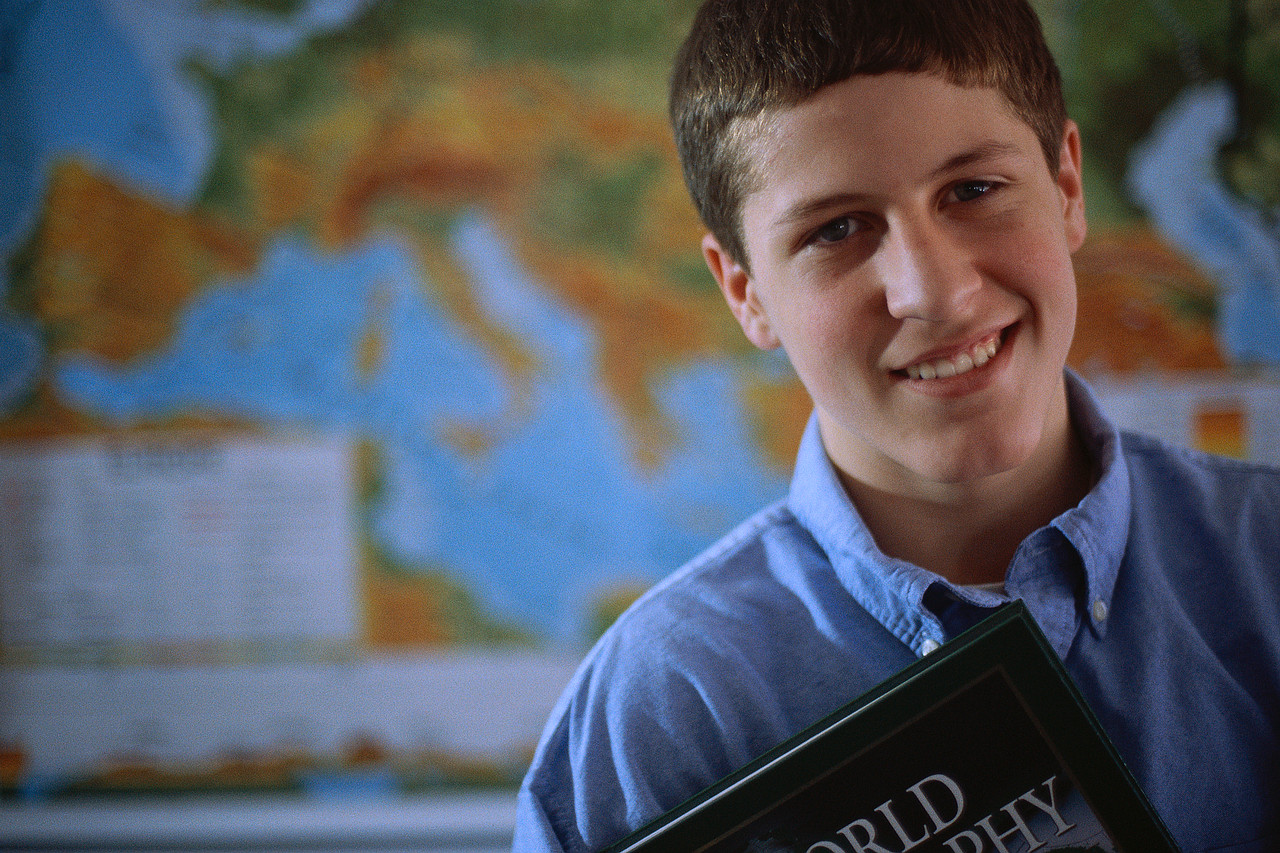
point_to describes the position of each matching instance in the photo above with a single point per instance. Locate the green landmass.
(625, 48)
(587, 207)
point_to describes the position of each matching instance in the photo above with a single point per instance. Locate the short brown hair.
(743, 58)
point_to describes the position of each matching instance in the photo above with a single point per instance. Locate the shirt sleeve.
(664, 706)
(573, 797)
(534, 833)
(579, 794)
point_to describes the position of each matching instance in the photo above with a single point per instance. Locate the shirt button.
(928, 647)
(1100, 611)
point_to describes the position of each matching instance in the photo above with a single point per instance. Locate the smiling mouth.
(971, 359)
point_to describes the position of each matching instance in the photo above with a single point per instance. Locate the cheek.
(1058, 295)
(1042, 263)
(830, 347)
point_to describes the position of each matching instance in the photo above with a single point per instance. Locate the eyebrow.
(803, 210)
(982, 152)
(977, 154)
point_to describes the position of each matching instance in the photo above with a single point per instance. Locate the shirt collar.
(1098, 527)
(894, 590)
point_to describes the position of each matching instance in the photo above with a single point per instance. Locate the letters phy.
(942, 802)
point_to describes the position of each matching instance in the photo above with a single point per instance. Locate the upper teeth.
(942, 368)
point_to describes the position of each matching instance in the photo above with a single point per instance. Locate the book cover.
(985, 745)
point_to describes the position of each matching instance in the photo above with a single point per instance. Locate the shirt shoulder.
(638, 695)
(1154, 451)
(1206, 525)
(745, 645)
(1221, 494)
(756, 611)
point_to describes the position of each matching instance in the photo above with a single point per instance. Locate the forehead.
(872, 131)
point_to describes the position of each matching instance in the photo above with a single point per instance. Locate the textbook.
(984, 746)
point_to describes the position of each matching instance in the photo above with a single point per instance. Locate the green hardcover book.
(984, 746)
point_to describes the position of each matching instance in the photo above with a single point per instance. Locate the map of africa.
(371, 342)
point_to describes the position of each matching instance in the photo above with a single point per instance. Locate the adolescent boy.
(893, 194)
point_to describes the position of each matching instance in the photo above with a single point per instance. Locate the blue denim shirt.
(1160, 592)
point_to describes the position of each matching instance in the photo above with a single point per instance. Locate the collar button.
(1100, 611)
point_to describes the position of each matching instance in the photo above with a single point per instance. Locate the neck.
(969, 532)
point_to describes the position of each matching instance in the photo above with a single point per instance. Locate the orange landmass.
(280, 188)
(109, 273)
(371, 347)
(402, 612)
(112, 269)
(415, 607)
(780, 411)
(1222, 427)
(281, 768)
(13, 763)
(1133, 314)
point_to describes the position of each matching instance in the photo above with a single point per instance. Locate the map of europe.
(418, 283)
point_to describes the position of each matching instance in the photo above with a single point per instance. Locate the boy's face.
(904, 229)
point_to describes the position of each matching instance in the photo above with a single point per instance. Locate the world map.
(401, 305)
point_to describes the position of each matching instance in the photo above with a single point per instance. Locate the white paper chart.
(139, 551)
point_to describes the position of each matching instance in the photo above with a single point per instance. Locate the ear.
(740, 292)
(1071, 185)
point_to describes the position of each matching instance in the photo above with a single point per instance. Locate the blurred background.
(358, 365)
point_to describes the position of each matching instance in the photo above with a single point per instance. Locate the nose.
(928, 274)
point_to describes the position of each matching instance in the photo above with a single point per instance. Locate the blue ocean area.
(73, 84)
(556, 509)
(101, 80)
(282, 345)
(21, 357)
(573, 465)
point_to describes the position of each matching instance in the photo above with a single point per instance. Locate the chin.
(959, 465)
